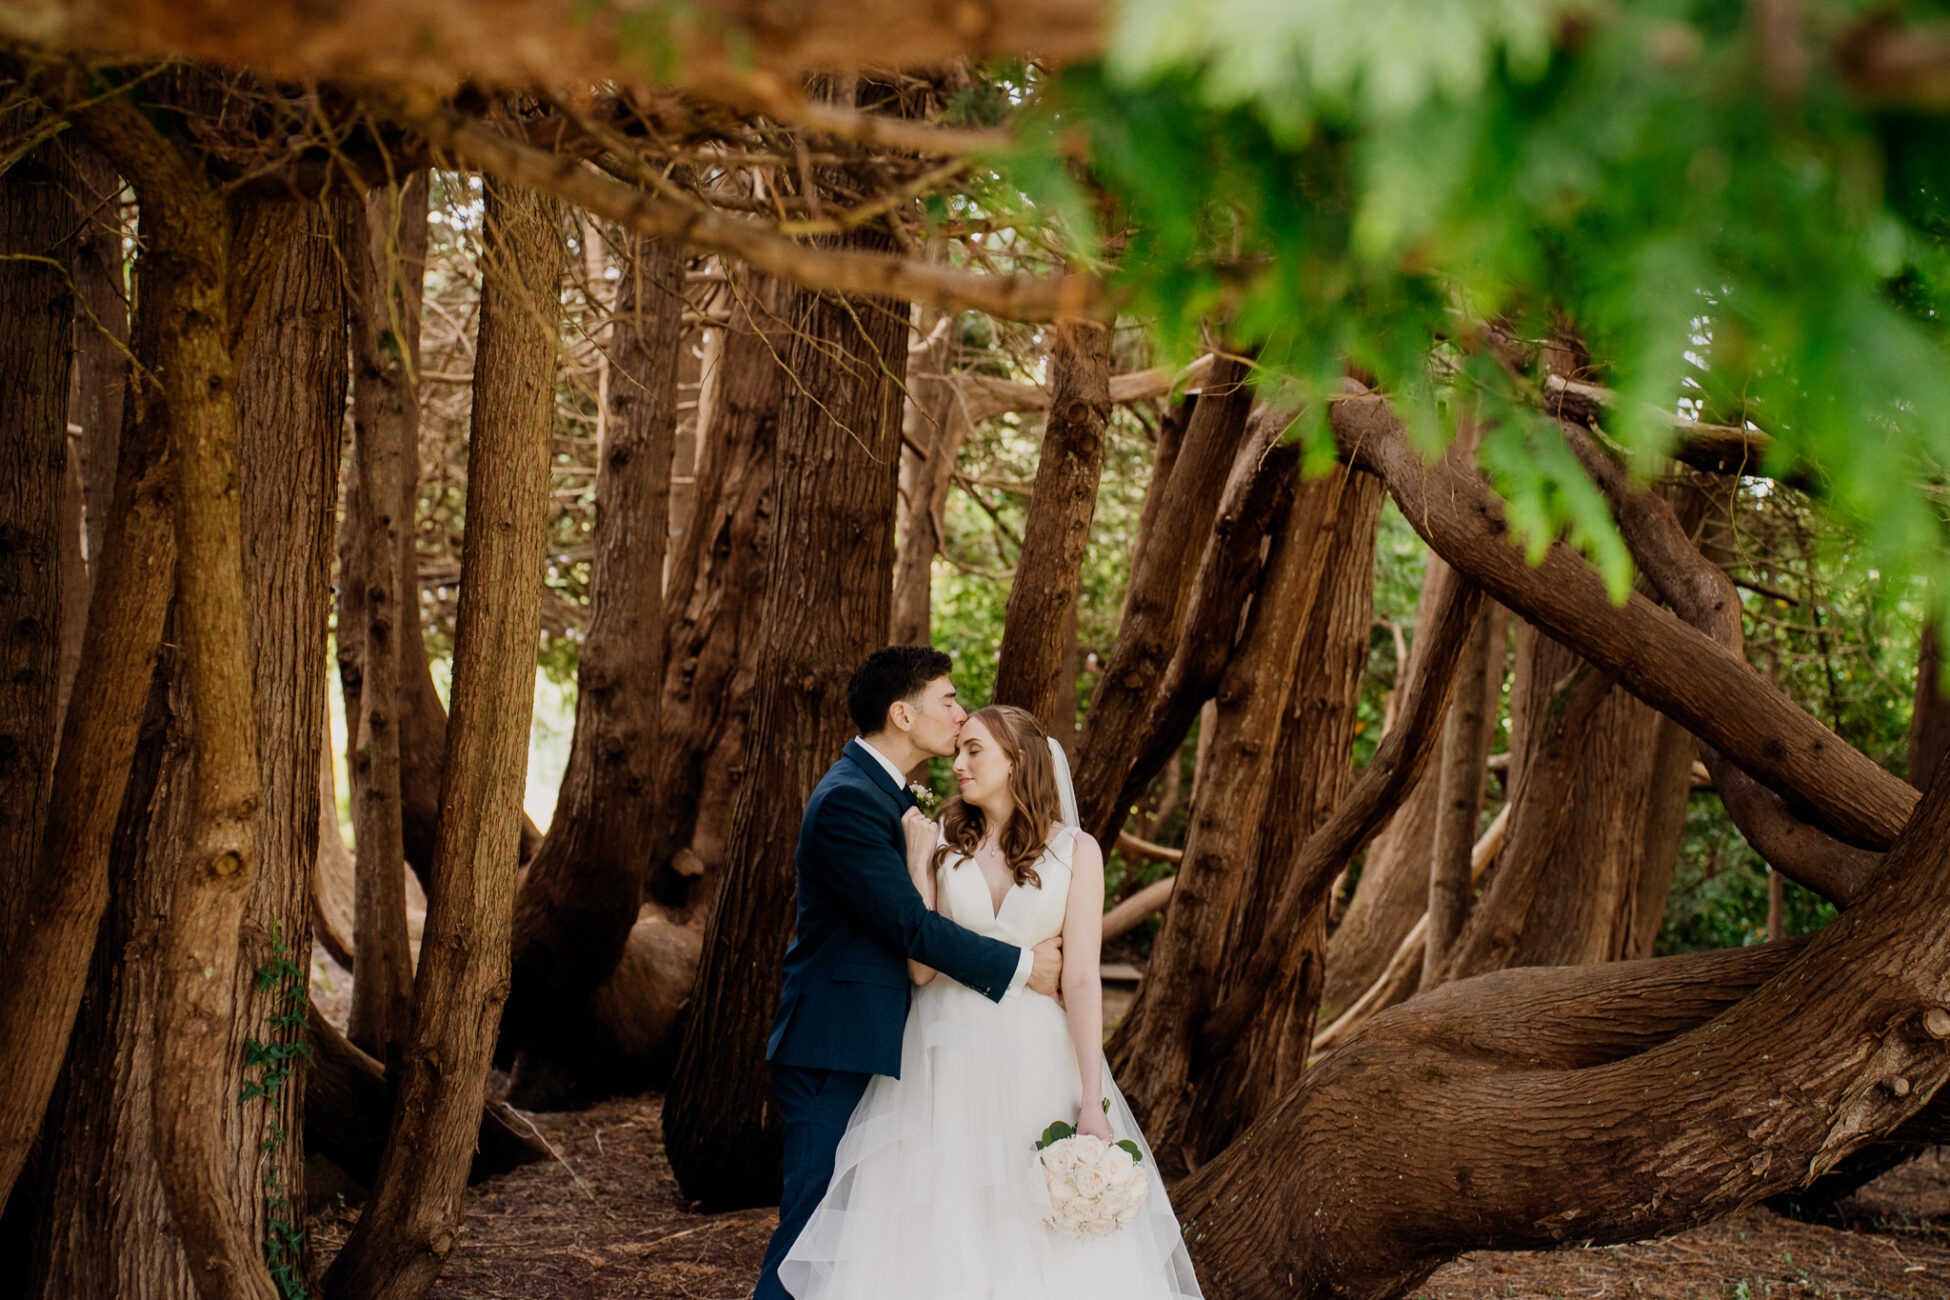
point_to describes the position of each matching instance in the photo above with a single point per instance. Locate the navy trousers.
(815, 1105)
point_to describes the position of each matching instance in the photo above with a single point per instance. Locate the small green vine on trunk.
(275, 1062)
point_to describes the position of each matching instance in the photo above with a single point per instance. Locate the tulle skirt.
(937, 1192)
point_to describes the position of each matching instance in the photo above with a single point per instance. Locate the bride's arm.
(1083, 989)
(922, 835)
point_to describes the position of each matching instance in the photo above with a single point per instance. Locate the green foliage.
(1371, 184)
(284, 1234)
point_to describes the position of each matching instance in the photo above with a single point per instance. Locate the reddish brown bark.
(383, 291)
(1393, 890)
(1039, 628)
(1257, 496)
(1459, 779)
(580, 896)
(1152, 1051)
(1172, 541)
(100, 1232)
(410, 1223)
(37, 310)
(1401, 758)
(716, 593)
(1682, 672)
(934, 426)
(1311, 777)
(838, 457)
(1929, 721)
(1733, 1076)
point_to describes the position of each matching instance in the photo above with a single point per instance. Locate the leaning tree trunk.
(1039, 626)
(409, 1225)
(1257, 496)
(1311, 774)
(99, 1235)
(1171, 540)
(37, 312)
(580, 897)
(47, 965)
(1152, 1051)
(1459, 778)
(715, 596)
(839, 432)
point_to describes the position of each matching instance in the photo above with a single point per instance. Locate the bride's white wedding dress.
(937, 1193)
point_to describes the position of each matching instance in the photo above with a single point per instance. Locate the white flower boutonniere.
(924, 798)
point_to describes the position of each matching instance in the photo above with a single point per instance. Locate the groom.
(843, 1003)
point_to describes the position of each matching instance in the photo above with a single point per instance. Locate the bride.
(937, 1191)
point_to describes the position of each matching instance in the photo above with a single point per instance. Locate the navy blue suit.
(843, 1001)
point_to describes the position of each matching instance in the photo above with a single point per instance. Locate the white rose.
(1062, 1190)
(1091, 1182)
(1060, 1157)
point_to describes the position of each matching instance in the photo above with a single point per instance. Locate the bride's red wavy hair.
(1032, 784)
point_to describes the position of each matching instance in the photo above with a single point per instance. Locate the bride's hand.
(921, 834)
(1094, 1122)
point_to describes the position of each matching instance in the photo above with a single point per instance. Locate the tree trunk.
(100, 1236)
(1257, 497)
(1600, 891)
(98, 380)
(47, 965)
(1929, 722)
(1172, 539)
(385, 403)
(347, 1105)
(580, 897)
(839, 442)
(935, 420)
(1524, 1110)
(37, 313)
(1038, 631)
(409, 1225)
(716, 594)
(1459, 779)
(1152, 1051)
(1393, 890)
(1311, 774)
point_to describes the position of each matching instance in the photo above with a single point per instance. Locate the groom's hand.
(1048, 967)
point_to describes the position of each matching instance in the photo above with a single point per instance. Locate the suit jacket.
(843, 1002)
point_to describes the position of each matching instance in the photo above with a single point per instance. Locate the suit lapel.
(877, 774)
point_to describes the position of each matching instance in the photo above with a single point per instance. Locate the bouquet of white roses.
(1095, 1187)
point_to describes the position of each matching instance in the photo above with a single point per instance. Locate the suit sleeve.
(877, 894)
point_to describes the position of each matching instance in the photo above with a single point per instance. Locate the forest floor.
(605, 1221)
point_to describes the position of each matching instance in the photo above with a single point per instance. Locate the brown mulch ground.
(606, 1222)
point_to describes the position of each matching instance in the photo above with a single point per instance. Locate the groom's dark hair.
(900, 672)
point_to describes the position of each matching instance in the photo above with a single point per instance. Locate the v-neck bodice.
(1028, 914)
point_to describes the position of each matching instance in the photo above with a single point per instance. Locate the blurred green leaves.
(1369, 185)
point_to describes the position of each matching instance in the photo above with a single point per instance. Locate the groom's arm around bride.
(844, 996)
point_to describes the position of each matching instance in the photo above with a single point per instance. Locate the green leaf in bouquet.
(1056, 1133)
(1131, 1149)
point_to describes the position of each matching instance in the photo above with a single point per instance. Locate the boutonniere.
(924, 798)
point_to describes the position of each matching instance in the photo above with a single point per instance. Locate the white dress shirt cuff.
(1023, 966)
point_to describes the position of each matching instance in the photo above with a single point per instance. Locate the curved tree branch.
(1674, 667)
(1704, 596)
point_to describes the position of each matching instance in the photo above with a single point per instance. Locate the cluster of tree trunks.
(160, 834)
